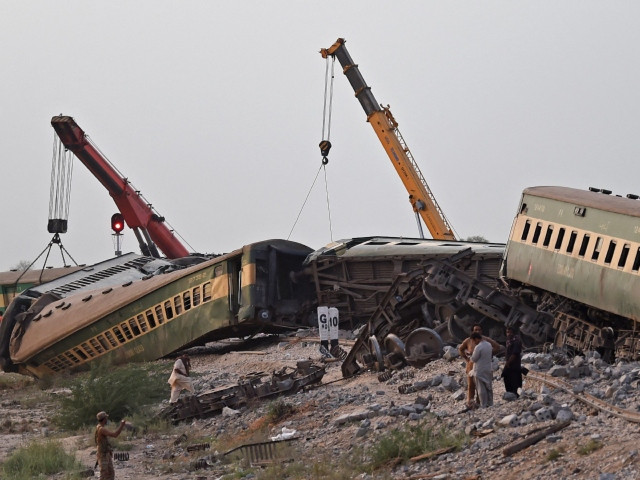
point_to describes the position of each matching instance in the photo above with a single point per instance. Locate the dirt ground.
(324, 447)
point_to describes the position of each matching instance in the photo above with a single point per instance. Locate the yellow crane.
(386, 128)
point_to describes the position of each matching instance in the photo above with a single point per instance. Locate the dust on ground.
(324, 438)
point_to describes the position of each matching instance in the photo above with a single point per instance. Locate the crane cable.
(325, 145)
(60, 187)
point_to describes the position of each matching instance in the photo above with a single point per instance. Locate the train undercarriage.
(437, 303)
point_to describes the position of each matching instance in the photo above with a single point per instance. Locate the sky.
(214, 111)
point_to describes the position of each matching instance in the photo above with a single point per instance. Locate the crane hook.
(325, 146)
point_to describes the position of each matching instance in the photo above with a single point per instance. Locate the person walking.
(465, 349)
(512, 371)
(481, 371)
(104, 452)
(179, 379)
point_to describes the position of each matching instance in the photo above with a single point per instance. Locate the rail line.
(585, 398)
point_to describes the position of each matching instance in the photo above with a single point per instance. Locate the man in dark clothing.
(512, 372)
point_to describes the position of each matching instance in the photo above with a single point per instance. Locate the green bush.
(14, 381)
(121, 392)
(278, 409)
(591, 446)
(39, 460)
(413, 440)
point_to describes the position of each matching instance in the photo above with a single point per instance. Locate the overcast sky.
(214, 111)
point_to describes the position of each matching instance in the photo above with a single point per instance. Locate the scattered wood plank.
(426, 476)
(527, 442)
(435, 453)
(249, 352)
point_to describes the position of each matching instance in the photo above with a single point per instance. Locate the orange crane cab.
(386, 128)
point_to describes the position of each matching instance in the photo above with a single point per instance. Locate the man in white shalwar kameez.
(482, 357)
(179, 379)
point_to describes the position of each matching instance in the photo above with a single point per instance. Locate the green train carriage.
(241, 293)
(579, 253)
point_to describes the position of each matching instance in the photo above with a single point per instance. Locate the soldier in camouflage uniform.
(105, 451)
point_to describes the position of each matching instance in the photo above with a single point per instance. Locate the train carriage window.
(109, 336)
(119, 335)
(97, 346)
(572, 241)
(186, 298)
(596, 249)
(547, 236)
(525, 231)
(159, 315)
(103, 342)
(636, 261)
(624, 255)
(206, 294)
(133, 325)
(177, 301)
(584, 245)
(87, 349)
(196, 296)
(610, 251)
(536, 233)
(142, 321)
(168, 309)
(560, 238)
(69, 356)
(149, 318)
(127, 333)
(79, 353)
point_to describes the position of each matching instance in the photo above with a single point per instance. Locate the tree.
(22, 265)
(476, 238)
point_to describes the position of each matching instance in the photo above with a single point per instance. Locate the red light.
(117, 222)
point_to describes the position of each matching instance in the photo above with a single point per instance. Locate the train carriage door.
(234, 275)
(283, 293)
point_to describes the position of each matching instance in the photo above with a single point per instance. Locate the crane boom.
(147, 225)
(386, 128)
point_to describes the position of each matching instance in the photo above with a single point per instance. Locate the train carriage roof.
(394, 246)
(586, 198)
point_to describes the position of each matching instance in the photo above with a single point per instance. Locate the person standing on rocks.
(104, 452)
(482, 357)
(179, 379)
(465, 349)
(512, 371)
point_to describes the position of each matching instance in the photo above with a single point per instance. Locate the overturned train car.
(139, 309)
(356, 274)
(576, 255)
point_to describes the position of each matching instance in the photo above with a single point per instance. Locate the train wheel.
(422, 346)
(461, 323)
(376, 351)
(438, 295)
(444, 311)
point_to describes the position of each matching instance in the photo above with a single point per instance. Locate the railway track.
(628, 415)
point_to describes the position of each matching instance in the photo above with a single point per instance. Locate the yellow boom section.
(422, 200)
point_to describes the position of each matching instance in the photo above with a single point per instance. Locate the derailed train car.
(576, 254)
(570, 274)
(354, 275)
(142, 309)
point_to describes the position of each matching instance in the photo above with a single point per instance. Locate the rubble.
(340, 415)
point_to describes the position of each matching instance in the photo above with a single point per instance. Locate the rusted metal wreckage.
(396, 335)
(249, 388)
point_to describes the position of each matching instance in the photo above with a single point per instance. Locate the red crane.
(148, 226)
